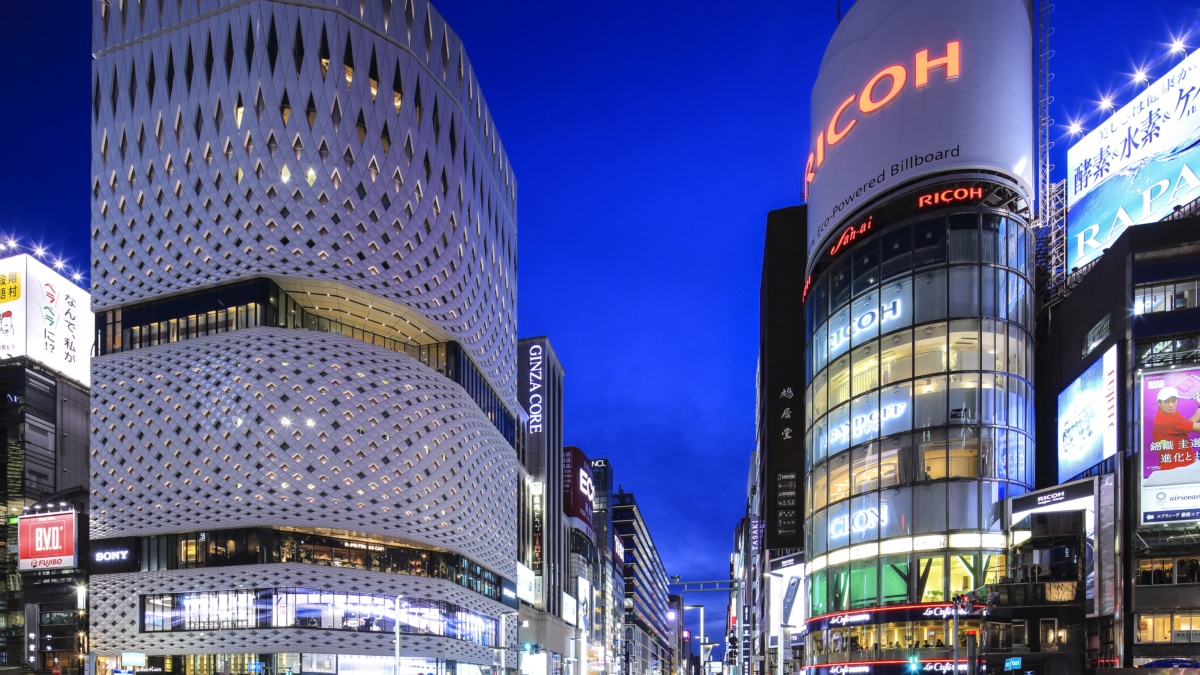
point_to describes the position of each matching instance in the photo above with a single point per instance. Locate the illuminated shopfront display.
(905, 395)
(304, 608)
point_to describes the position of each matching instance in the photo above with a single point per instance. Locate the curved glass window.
(306, 608)
(921, 404)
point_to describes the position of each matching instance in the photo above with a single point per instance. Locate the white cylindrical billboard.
(918, 87)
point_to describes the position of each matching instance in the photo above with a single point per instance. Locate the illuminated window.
(931, 580)
(929, 349)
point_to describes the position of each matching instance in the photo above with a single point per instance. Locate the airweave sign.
(47, 542)
(908, 89)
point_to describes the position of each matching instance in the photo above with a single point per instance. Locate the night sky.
(649, 140)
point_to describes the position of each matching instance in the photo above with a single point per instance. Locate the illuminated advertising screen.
(1168, 440)
(570, 610)
(1077, 496)
(45, 317)
(584, 588)
(1137, 166)
(526, 584)
(47, 542)
(787, 592)
(579, 489)
(508, 593)
(910, 89)
(1087, 418)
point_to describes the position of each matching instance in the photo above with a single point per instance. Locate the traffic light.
(527, 647)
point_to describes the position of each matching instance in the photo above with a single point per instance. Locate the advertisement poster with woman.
(1170, 443)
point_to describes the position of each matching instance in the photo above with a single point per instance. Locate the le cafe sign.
(886, 615)
(880, 669)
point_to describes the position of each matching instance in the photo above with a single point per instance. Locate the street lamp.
(962, 604)
(504, 642)
(782, 633)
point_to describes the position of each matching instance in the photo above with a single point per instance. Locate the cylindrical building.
(303, 410)
(919, 305)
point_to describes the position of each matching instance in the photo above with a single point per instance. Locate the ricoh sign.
(909, 89)
(47, 542)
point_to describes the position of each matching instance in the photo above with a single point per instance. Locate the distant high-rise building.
(304, 257)
(609, 583)
(46, 335)
(647, 633)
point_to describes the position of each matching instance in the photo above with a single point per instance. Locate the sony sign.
(910, 89)
(111, 556)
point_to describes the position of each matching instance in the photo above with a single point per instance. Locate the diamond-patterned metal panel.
(276, 426)
(346, 142)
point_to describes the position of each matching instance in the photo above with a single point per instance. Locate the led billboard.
(526, 584)
(45, 317)
(47, 542)
(787, 591)
(1168, 439)
(579, 489)
(909, 89)
(1087, 418)
(1076, 496)
(1137, 166)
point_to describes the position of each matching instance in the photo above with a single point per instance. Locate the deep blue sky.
(649, 139)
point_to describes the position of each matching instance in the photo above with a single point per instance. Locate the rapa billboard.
(1137, 166)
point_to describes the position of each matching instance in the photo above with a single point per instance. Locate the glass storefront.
(295, 662)
(255, 546)
(892, 641)
(920, 408)
(306, 608)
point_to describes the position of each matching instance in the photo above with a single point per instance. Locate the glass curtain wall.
(920, 409)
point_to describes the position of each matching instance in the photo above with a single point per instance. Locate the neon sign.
(946, 611)
(949, 196)
(893, 78)
(851, 233)
(847, 619)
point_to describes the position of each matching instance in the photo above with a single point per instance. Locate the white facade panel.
(907, 89)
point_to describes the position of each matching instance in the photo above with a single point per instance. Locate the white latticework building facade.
(304, 407)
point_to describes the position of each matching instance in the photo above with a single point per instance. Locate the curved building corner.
(304, 407)
(919, 303)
